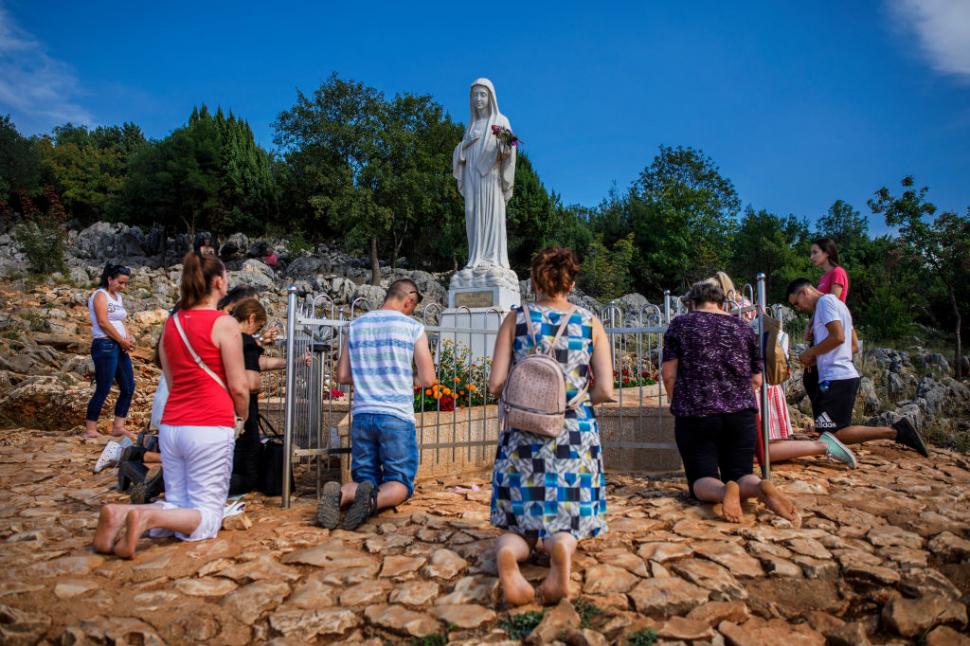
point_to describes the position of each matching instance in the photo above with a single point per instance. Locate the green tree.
(89, 168)
(682, 213)
(606, 272)
(941, 245)
(209, 174)
(21, 167)
(530, 215)
(377, 171)
(848, 228)
(777, 246)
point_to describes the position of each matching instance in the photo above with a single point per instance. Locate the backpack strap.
(562, 328)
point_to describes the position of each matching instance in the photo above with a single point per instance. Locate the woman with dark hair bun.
(110, 350)
(551, 488)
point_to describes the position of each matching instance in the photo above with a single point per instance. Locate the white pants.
(197, 465)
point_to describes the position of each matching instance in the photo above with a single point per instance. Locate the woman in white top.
(110, 349)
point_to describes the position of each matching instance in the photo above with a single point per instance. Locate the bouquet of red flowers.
(506, 136)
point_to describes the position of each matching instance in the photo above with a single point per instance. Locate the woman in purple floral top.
(711, 368)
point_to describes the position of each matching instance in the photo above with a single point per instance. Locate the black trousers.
(716, 446)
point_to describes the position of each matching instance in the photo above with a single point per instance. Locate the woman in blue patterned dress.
(550, 488)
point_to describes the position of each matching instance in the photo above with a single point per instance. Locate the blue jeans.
(110, 365)
(384, 448)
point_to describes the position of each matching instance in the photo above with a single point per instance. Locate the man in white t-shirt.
(838, 380)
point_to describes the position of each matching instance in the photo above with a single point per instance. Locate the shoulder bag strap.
(527, 313)
(195, 356)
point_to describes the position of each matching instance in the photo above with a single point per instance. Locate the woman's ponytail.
(198, 273)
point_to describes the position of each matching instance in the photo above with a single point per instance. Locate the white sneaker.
(109, 456)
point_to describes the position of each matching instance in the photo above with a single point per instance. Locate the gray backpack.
(534, 397)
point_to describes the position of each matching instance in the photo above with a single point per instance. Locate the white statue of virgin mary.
(485, 170)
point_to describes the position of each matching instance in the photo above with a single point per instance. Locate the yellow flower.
(437, 395)
(427, 392)
(472, 387)
(457, 380)
(447, 391)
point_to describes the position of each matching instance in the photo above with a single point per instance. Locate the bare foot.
(515, 588)
(556, 585)
(91, 435)
(731, 505)
(779, 503)
(109, 525)
(136, 523)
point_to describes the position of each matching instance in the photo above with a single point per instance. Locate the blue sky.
(798, 103)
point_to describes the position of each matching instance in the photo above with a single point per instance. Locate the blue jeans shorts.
(384, 448)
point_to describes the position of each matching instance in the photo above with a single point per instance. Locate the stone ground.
(883, 556)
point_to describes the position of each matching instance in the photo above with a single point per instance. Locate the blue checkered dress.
(544, 485)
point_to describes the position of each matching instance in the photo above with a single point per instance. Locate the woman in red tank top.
(196, 433)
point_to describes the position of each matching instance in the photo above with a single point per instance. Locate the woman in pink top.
(196, 432)
(825, 256)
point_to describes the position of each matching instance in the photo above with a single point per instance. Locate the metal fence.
(458, 421)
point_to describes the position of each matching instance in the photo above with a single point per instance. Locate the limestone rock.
(950, 547)
(401, 620)
(468, 615)
(113, 630)
(415, 593)
(667, 597)
(946, 636)
(910, 617)
(307, 624)
(556, 621)
(237, 523)
(444, 564)
(472, 589)
(710, 576)
(605, 579)
(365, 594)
(21, 626)
(313, 594)
(249, 602)
(395, 566)
(205, 587)
(663, 552)
(714, 612)
(731, 556)
(759, 632)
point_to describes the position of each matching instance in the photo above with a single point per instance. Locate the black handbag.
(270, 480)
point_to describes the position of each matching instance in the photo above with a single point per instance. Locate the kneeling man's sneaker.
(109, 456)
(328, 509)
(838, 451)
(907, 435)
(364, 505)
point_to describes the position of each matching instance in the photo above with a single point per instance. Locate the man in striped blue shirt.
(385, 356)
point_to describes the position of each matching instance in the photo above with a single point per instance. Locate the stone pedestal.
(478, 300)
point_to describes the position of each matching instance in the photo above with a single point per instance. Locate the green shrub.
(642, 638)
(43, 243)
(521, 625)
(587, 611)
(299, 245)
(888, 316)
(434, 639)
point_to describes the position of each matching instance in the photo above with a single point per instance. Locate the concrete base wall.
(637, 433)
